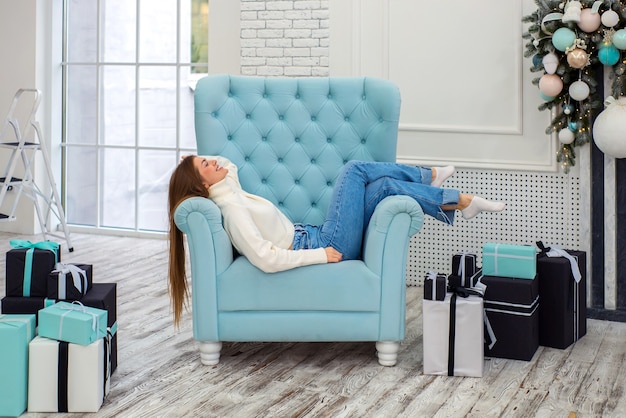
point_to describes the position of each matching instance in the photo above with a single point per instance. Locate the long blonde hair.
(184, 183)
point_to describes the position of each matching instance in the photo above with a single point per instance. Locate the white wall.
(467, 96)
(18, 48)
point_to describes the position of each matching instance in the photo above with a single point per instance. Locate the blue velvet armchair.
(289, 138)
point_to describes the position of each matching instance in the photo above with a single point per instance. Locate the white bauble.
(609, 128)
(566, 136)
(579, 90)
(550, 62)
(609, 18)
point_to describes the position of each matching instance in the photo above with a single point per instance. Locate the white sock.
(478, 204)
(442, 174)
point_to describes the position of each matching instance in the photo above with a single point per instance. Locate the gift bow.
(478, 290)
(555, 251)
(42, 245)
(76, 272)
(76, 306)
(28, 260)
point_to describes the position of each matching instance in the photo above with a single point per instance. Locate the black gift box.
(439, 290)
(563, 309)
(42, 264)
(104, 296)
(70, 292)
(24, 305)
(469, 281)
(512, 307)
(469, 262)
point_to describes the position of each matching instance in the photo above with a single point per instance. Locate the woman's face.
(209, 170)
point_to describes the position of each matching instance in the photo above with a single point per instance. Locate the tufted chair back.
(290, 137)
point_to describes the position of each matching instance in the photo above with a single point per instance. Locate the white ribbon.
(482, 288)
(613, 101)
(77, 307)
(559, 252)
(79, 278)
(548, 18)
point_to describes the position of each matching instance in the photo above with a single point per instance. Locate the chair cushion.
(346, 286)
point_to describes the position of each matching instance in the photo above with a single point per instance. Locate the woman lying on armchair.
(271, 242)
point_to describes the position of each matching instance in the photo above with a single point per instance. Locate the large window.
(129, 68)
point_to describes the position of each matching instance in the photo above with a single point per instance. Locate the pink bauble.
(589, 21)
(550, 85)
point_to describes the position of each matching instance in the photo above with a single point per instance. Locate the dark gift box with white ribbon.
(70, 281)
(435, 286)
(28, 266)
(104, 296)
(512, 307)
(453, 331)
(464, 270)
(563, 293)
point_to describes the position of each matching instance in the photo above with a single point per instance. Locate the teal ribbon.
(28, 261)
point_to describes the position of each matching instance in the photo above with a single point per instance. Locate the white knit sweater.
(257, 228)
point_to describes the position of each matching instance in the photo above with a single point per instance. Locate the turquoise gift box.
(16, 331)
(509, 260)
(73, 323)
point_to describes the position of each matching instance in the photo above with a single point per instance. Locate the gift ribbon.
(480, 287)
(28, 261)
(461, 271)
(63, 371)
(62, 376)
(6, 319)
(79, 278)
(76, 306)
(462, 292)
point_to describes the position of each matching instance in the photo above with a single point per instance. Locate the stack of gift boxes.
(58, 333)
(522, 297)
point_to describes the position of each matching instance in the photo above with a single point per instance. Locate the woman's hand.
(332, 255)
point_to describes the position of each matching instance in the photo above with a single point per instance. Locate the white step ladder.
(25, 140)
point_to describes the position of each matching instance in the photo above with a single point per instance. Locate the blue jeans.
(359, 188)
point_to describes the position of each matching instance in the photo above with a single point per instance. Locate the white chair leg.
(210, 352)
(387, 352)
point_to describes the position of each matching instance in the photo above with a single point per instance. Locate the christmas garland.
(569, 41)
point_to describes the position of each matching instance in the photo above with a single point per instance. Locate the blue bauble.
(545, 97)
(563, 38)
(537, 60)
(568, 109)
(573, 126)
(608, 54)
(619, 39)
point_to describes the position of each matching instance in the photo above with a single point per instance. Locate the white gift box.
(66, 377)
(467, 344)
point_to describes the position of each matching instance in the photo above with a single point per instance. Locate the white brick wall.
(284, 37)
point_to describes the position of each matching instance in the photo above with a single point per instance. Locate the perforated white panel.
(540, 207)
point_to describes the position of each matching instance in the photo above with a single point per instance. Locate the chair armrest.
(395, 220)
(210, 253)
(385, 249)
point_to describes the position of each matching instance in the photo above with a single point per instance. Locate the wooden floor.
(160, 375)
